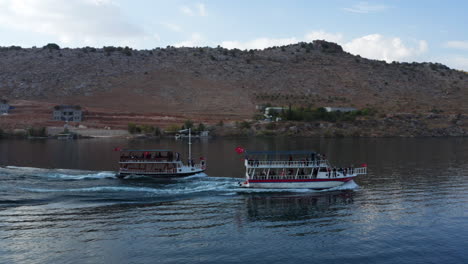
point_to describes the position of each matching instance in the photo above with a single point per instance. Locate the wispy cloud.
(456, 44)
(259, 43)
(201, 9)
(376, 46)
(73, 22)
(365, 8)
(196, 40)
(322, 35)
(172, 27)
(197, 9)
(187, 10)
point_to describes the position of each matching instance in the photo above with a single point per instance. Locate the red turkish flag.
(239, 150)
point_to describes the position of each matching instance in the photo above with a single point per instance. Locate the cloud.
(456, 44)
(172, 27)
(187, 10)
(378, 47)
(322, 35)
(365, 8)
(201, 9)
(195, 40)
(374, 46)
(456, 62)
(259, 43)
(77, 22)
(197, 9)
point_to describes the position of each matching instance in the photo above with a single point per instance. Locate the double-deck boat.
(158, 163)
(294, 169)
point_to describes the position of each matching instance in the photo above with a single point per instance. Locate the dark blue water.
(60, 203)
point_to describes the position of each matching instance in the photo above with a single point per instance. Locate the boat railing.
(362, 170)
(146, 171)
(198, 166)
(281, 177)
(148, 161)
(285, 164)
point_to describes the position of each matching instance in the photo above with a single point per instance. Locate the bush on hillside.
(51, 46)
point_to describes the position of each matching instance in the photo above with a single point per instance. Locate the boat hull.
(296, 184)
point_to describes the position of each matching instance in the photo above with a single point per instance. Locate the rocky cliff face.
(227, 84)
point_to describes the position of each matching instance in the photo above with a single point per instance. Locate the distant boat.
(66, 136)
(202, 134)
(158, 163)
(294, 169)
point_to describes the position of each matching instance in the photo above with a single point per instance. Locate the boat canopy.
(281, 153)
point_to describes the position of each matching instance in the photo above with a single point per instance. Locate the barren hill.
(213, 84)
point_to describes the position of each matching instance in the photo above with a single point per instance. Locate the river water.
(61, 203)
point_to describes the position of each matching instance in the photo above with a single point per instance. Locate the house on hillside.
(4, 107)
(272, 112)
(340, 109)
(70, 113)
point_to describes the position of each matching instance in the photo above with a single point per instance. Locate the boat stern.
(244, 184)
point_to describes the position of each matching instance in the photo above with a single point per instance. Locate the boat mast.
(189, 144)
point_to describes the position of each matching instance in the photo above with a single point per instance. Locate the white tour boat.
(294, 169)
(158, 163)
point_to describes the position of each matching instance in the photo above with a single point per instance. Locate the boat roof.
(292, 152)
(146, 150)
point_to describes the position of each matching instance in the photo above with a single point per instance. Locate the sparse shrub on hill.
(173, 128)
(10, 48)
(271, 126)
(37, 132)
(127, 51)
(145, 129)
(187, 124)
(309, 114)
(133, 128)
(51, 46)
(201, 127)
(243, 125)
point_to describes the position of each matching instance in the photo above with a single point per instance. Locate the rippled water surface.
(61, 203)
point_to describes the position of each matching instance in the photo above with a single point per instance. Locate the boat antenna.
(189, 144)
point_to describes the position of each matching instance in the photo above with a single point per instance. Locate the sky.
(390, 30)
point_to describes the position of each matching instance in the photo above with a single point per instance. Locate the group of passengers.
(335, 172)
(313, 160)
(145, 156)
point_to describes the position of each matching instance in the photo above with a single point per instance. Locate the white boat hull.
(297, 184)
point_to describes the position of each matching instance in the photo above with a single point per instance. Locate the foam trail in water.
(66, 174)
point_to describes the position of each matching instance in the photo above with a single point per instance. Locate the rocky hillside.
(215, 84)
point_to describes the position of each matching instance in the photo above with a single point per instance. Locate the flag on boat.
(239, 150)
(364, 165)
(117, 149)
